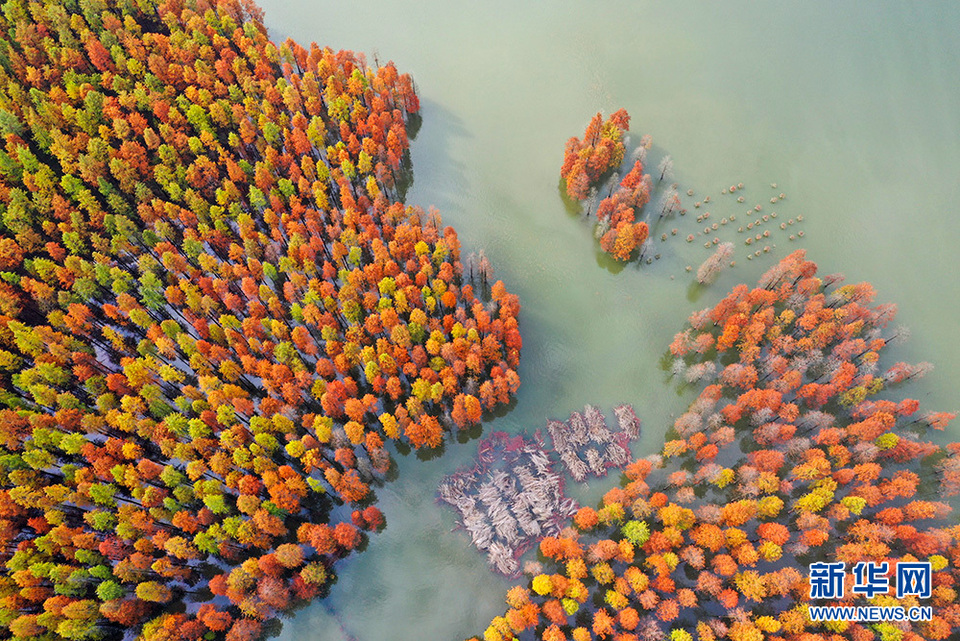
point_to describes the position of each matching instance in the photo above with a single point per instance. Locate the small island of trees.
(585, 163)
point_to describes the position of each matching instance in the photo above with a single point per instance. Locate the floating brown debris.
(585, 443)
(627, 420)
(510, 499)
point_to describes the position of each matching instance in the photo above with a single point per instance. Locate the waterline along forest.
(261, 350)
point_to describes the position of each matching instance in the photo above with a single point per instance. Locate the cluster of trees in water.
(788, 456)
(590, 167)
(214, 313)
(585, 164)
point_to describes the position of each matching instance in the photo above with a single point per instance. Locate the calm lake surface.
(851, 108)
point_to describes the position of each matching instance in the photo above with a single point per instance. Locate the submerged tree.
(712, 266)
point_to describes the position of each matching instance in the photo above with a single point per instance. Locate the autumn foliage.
(584, 164)
(808, 463)
(214, 313)
(601, 149)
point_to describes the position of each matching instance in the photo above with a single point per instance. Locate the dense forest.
(215, 312)
(790, 455)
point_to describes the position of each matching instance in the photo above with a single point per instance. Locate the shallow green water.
(854, 115)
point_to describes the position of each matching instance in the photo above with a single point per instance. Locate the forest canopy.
(215, 311)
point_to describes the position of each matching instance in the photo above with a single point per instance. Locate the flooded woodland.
(508, 321)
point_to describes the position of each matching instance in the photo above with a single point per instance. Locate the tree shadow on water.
(695, 291)
(573, 207)
(611, 264)
(436, 130)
